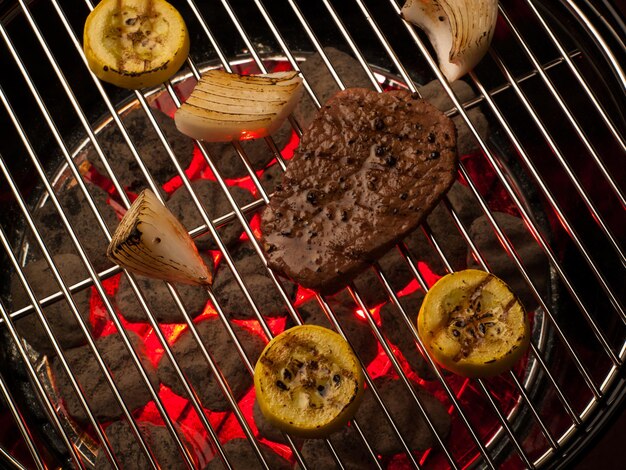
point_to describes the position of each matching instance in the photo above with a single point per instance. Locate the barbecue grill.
(553, 91)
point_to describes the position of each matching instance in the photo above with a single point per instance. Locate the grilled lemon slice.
(135, 43)
(308, 381)
(473, 325)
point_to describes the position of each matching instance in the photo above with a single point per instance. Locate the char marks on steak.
(370, 167)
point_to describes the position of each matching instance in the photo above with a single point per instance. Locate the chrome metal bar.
(58, 278)
(572, 66)
(597, 217)
(12, 460)
(525, 216)
(564, 107)
(564, 220)
(49, 407)
(20, 422)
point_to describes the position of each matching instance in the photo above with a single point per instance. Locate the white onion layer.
(227, 106)
(151, 241)
(459, 30)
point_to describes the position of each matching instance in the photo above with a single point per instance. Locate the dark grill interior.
(140, 367)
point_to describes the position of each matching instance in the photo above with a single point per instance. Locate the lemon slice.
(135, 43)
(473, 325)
(308, 381)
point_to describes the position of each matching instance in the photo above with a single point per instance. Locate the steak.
(370, 167)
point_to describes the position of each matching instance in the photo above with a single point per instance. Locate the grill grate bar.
(572, 66)
(31, 371)
(230, 262)
(517, 383)
(55, 273)
(573, 235)
(608, 53)
(572, 232)
(505, 425)
(377, 85)
(111, 313)
(252, 239)
(239, 214)
(599, 220)
(525, 216)
(566, 110)
(21, 424)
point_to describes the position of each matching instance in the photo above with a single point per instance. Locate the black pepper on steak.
(214, 201)
(149, 146)
(260, 286)
(83, 364)
(129, 453)
(220, 345)
(242, 457)
(58, 314)
(83, 222)
(362, 205)
(396, 331)
(406, 415)
(434, 93)
(323, 83)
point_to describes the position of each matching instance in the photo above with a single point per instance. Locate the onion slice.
(459, 30)
(151, 241)
(226, 106)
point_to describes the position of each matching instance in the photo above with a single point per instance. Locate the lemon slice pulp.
(135, 43)
(308, 382)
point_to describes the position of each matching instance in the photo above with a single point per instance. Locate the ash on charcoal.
(59, 315)
(396, 331)
(323, 83)
(445, 231)
(357, 331)
(214, 201)
(221, 346)
(160, 300)
(149, 147)
(406, 415)
(396, 271)
(266, 430)
(129, 452)
(434, 92)
(272, 176)
(83, 222)
(259, 154)
(96, 388)
(349, 447)
(528, 250)
(259, 284)
(241, 456)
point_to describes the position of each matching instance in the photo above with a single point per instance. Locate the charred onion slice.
(151, 241)
(308, 381)
(135, 43)
(459, 30)
(473, 325)
(227, 106)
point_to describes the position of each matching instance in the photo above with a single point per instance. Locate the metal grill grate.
(552, 87)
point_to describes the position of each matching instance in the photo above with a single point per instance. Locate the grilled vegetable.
(227, 106)
(151, 241)
(473, 325)
(135, 43)
(308, 381)
(459, 30)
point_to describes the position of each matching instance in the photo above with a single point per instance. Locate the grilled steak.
(370, 167)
